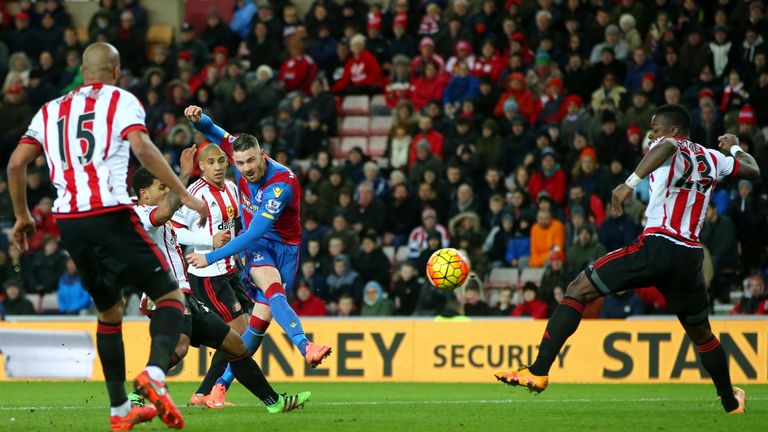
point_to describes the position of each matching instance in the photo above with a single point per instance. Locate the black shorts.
(202, 326)
(113, 251)
(224, 295)
(674, 269)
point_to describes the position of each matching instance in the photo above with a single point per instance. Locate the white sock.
(155, 373)
(122, 410)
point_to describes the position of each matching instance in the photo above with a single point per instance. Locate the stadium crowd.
(511, 123)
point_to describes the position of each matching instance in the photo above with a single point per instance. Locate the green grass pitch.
(81, 406)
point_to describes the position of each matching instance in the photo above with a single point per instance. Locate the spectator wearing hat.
(24, 37)
(554, 276)
(187, 42)
(14, 302)
(417, 239)
(426, 55)
(20, 67)
(543, 71)
(550, 178)
(753, 300)
(362, 72)
(648, 85)
(531, 306)
(376, 43)
(425, 161)
(518, 91)
(608, 64)
(613, 39)
(371, 262)
(546, 234)
(551, 103)
(611, 142)
(398, 85)
(401, 41)
(574, 116)
(489, 144)
(463, 53)
(628, 26)
(747, 122)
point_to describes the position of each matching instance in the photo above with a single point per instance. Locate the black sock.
(245, 370)
(165, 328)
(564, 321)
(109, 342)
(715, 361)
(218, 366)
(175, 359)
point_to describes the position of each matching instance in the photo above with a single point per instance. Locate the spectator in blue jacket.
(519, 247)
(242, 16)
(72, 296)
(622, 304)
(640, 65)
(461, 87)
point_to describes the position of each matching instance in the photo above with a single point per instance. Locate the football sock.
(714, 360)
(252, 338)
(286, 317)
(165, 328)
(564, 321)
(155, 373)
(109, 343)
(175, 359)
(250, 375)
(218, 365)
(122, 410)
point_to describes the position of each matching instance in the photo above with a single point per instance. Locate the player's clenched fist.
(221, 238)
(193, 113)
(727, 141)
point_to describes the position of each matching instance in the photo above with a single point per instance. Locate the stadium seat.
(381, 125)
(304, 164)
(355, 126)
(402, 254)
(389, 251)
(378, 101)
(49, 303)
(531, 274)
(501, 277)
(350, 142)
(160, 34)
(355, 105)
(377, 146)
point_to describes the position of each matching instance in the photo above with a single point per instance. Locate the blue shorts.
(283, 257)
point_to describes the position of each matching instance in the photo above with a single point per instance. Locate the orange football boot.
(135, 416)
(217, 397)
(316, 354)
(157, 393)
(742, 398)
(523, 377)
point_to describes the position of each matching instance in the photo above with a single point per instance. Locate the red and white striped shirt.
(223, 211)
(681, 189)
(83, 135)
(165, 238)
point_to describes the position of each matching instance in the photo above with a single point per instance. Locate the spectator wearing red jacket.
(299, 70)
(45, 224)
(550, 179)
(434, 138)
(531, 306)
(398, 86)
(362, 73)
(307, 303)
(753, 302)
(489, 63)
(427, 88)
(517, 90)
(427, 55)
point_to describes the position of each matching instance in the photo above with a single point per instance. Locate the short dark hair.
(676, 115)
(142, 179)
(245, 142)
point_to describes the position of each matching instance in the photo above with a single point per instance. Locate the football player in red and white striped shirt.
(86, 136)
(667, 255)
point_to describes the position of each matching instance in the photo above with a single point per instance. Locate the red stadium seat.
(348, 143)
(381, 125)
(355, 105)
(355, 126)
(378, 101)
(501, 277)
(532, 274)
(377, 146)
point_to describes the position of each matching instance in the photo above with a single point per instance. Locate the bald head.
(213, 163)
(101, 63)
(211, 150)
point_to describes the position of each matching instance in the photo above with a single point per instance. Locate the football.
(447, 269)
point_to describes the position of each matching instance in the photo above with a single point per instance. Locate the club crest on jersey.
(258, 257)
(272, 205)
(230, 212)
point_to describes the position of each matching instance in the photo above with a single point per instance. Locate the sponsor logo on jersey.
(259, 196)
(247, 204)
(226, 226)
(272, 206)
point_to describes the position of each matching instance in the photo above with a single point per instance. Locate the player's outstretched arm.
(21, 157)
(172, 202)
(151, 158)
(747, 165)
(655, 157)
(203, 124)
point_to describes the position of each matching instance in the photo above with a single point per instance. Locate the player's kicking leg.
(563, 323)
(715, 361)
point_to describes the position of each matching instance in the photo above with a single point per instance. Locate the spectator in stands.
(371, 262)
(614, 41)
(46, 267)
(362, 72)
(499, 238)
(427, 87)
(73, 298)
(402, 214)
(345, 307)
(344, 280)
(583, 252)
(398, 85)
(611, 143)
(417, 240)
(747, 127)
(547, 234)
(401, 42)
(24, 37)
(49, 35)
(307, 304)
(299, 70)
(375, 302)
(542, 73)
(45, 224)
(15, 115)
(6, 208)
(428, 134)
(217, 33)
(39, 91)
(753, 300)
(426, 55)
(621, 305)
(550, 179)
(471, 299)
(461, 87)
(195, 47)
(505, 306)
(531, 306)
(15, 303)
(618, 231)
(489, 144)
(748, 212)
(519, 247)
(131, 42)
(554, 276)
(71, 76)
(405, 292)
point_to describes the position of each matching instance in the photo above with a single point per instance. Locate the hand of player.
(193, 113)
(24, 226)
(197, 260)
(198, 206)
(619, 195)
(221, 238)
(187, 160)
(727, 141)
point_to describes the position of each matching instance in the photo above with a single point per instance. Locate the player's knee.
(113, 314)
(233, 344)
(699, 333)
(581, 289)
(173, 295)
(239, 324)
(182, 348)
